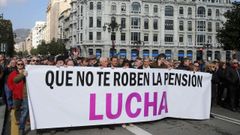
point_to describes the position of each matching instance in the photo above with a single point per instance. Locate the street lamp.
(112, 28)
(138, 44)
(207, 46)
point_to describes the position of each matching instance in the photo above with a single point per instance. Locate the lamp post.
(138, 44)
(207, 46)
(112, 28)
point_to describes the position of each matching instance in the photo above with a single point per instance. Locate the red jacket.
(16, 88)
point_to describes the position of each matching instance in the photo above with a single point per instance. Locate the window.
(136, 23)
(201, 25)
(168, 11)
(200, 39)
(146, 9)
(168, 24)
(209, 12)
(99, 6)
(155, 9)
(81, 23)
(98, 53)
(189, 25)
(180, 38)
(189, 54)
(209, 39)
(91, 6)
(181, 10)
(136, 7)
(168, 54)
(155, 37)
(123, 53)
(168, 38)
(181, 28)
(189, 11)
(145, 23)
(201, 12)
(209, 26)
(90, 51)
(180, 55)
(154, 53)
(135, 36)
(217, 26)
(123, 36)
(81, 10)
(123, 7)
(90, 22)
(90, 36)
(114, 8)
(189, 39)
(99, 36)
(145, 53)
(99, 22)
(123, 23)
(217, 13)
(155, 24)
(145, 37)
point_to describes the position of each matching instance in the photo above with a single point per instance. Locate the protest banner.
(84, 96)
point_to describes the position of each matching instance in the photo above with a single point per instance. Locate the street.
(225, 122)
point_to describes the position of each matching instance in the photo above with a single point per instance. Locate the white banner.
(83, 96)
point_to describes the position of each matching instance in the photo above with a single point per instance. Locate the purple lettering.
(128, 105)
(110, 115)
(148, 104)
(163, 105)
(93, 115)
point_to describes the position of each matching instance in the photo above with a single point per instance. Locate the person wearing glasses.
(17, 83)
(34, 61)
(17, 88)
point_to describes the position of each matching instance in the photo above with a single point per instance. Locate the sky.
(24, 13)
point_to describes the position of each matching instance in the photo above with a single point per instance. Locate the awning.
(180, 55)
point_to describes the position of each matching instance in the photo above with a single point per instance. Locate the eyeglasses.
(34, 60)
(235, 63)
(20, 64)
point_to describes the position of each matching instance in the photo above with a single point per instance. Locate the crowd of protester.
(225, 76)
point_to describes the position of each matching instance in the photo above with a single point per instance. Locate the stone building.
(145, 28)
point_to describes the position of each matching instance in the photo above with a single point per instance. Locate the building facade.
(20, 46)
(146, 28)
(28, 42)
(38, 32)
(54, 9)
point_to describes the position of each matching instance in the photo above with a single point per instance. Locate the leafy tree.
(229, 35)
(22, 53)
(56, 48)
(53, 48)
(42, 49)
(6, 36)
(34, 51)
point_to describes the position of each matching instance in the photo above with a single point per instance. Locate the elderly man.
(104, 62)
(146, 63)
(233, 79)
